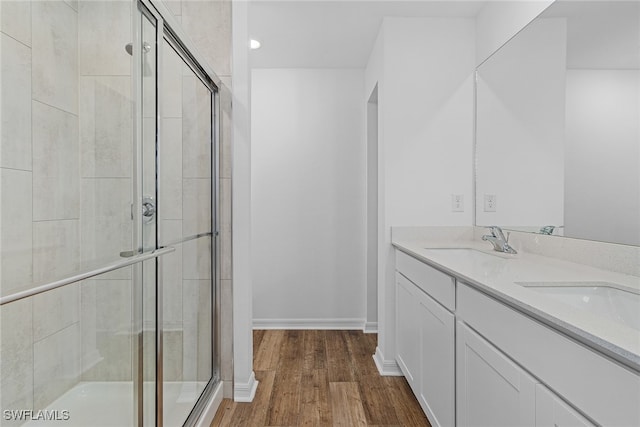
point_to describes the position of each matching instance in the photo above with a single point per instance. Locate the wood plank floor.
(321, 378)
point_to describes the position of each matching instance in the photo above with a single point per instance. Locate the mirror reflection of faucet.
(547, 229)
(498, 240)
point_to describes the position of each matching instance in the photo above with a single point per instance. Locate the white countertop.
(497, 276)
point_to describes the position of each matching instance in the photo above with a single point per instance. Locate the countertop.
(497, 277)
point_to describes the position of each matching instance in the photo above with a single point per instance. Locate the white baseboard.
(245, 392)
(371, 328)
(209, 412)
(387, 368)
(335, 324)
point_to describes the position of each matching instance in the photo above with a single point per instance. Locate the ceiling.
(332, 34)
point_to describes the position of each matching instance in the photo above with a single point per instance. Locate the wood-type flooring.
(321, 378)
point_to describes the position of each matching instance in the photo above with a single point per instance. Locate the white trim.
(370, 328)
(209, 412)
(327, 324)
(387, 368)
(245, 392)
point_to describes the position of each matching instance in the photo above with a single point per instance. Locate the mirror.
(557, 125)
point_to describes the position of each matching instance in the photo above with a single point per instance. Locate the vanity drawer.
(438, 285)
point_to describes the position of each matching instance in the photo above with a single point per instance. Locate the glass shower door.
(186, 213)
(149, 373)
(107, 213)
(73, 280)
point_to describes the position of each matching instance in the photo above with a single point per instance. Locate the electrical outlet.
(457, 203)
(490, 202)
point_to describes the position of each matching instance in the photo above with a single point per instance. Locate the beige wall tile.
(148, 294)
(15, 147)
(113, 306)
(56, 249)
(106, 131)
(56, 365)
(73, 4)
(172, 65)
(16, 356)
(56, 164)
(90, 355)
(115, 362)
(16, 229)
(107, 325)
(15, 20)
(226, 330)
(55, 54)
(106, 221)
(225, 226)
(171, 265)
(171, 169)
(226, 136)
(204, 336)
(55, 310)
(209, 25)
(196, 212)
(175, 6)
(197, 332)
(196, 259)
(173, 358)
(196, 129)
(104, 29)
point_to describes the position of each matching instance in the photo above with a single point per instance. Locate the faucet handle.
(495, 231)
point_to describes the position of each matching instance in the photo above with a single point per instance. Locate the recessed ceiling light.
(254, 44)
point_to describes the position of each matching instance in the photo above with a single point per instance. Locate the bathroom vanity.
(485, 338)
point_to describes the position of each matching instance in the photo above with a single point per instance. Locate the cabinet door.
(437, 358)
(491, 390)
(407, 330)
(551, 411)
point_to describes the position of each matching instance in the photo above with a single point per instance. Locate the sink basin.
(468, 252)
(612, 301)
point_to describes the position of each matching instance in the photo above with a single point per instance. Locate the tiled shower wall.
(65, 184)
(41, 203)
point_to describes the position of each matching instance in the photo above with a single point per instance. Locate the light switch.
(490, 202)
(457, 203)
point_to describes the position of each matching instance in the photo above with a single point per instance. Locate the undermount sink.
(612, 301)
(469, 252)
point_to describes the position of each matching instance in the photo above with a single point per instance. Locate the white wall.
(372, 212)
(498, 21)
(428, 129)
(308, 197)
(244, 383)
(520, 128)
(424, 69)
(603, 155)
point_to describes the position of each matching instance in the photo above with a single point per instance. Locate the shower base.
(110, 404)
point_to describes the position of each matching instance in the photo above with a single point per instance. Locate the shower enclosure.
(108, 217)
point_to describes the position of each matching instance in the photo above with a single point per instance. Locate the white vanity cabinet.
(408, 330)
(425, 336)
(606, 392)
(491, 389)
(551, 411)
(473, 360)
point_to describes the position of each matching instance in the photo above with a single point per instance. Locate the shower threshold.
(110, 404)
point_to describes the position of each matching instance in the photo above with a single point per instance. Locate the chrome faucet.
(497, 239)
